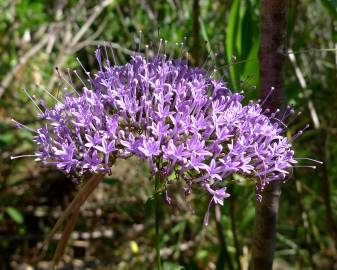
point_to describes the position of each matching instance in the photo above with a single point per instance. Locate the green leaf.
(251, 67)
(202, 254)
(172, 177)
(111, 181)
(149, 206)
(6, 138)
(331, 6)
(172, 266)
(245, 41)
(14, 214)
(231, 41)
(248, 218)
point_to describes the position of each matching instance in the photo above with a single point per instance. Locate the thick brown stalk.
(271, 57)
(68, 229)
(69, 217)
(232, 214)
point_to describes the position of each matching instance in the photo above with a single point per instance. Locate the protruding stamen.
(113, 54)
(63, 79)
(140, 40)
(85, 71)
(213, 64)
(147, 52)
(313, 160)
(106, 55)
(299, 133)
(293, 120)
(80, 63)
(22, 156)
(75, 71)
(30, 97)
(286, 112)
(214, 72)
(275, 113)
(185, 39)
(269, 94)
(165, 45)
(99, 58)
(181, 50)
(305, 166)
(19, 125)
(69, 75)
(159, 46)
(280, 121)
(50, 94)
(40, 102)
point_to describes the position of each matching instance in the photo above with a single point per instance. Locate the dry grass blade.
(72, 210)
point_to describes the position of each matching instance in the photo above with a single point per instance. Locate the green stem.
(157, 214)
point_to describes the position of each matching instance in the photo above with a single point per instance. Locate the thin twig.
(23, 60)
(97, 11)
(116, 46)
(303, 84)
(71, 41)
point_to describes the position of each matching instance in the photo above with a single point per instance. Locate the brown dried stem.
(69, 217)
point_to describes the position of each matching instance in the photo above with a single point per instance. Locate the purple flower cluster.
(179, 119)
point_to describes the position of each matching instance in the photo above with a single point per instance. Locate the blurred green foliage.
(116, 227)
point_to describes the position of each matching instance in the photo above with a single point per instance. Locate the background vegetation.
(116, 227)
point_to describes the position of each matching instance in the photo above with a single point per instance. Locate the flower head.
(177, 118)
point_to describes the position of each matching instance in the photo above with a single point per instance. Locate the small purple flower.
(92, 162)
(159, 130)
(150, 148)
(131, 144)
(93, 141)
(196, 145)
(213, 169)
(197, 163)
(108, 146)
(174, 152)
(218, 195)
(65, 160)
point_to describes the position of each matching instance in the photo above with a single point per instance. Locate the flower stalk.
(69, 217)
(157, 219)
(271, 57)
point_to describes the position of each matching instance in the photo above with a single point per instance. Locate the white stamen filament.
(305, 166)
(269, 94)
(50, 94)
(63, 79)
(313, 160)
(22, 156)
(27, 94)
(79, 77)
(22, 125)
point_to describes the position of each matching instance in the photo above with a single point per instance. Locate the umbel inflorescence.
(178, 118)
